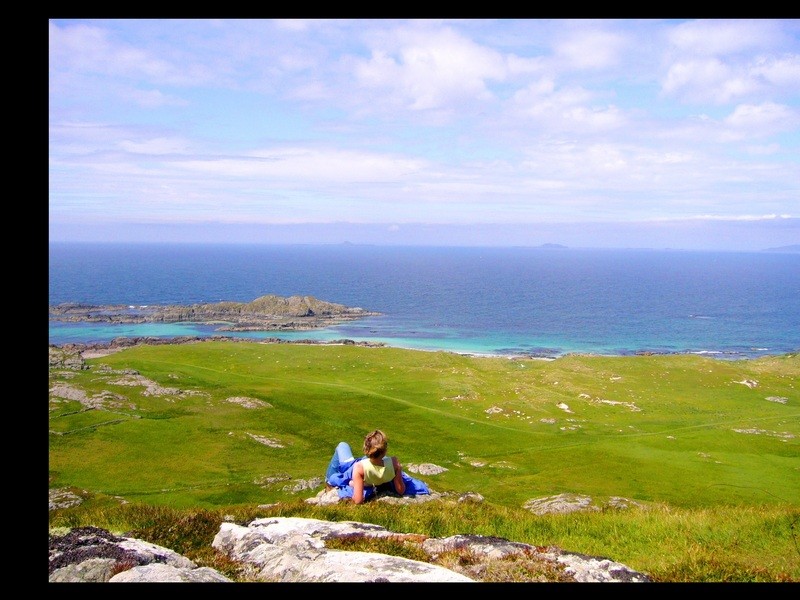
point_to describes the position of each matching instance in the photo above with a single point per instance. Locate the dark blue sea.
(509, 301)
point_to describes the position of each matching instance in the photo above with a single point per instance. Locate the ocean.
(541, 301)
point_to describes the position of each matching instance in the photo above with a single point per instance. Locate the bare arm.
(399, 484)
(357, 482)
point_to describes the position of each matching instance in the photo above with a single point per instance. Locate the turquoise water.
(475, 300)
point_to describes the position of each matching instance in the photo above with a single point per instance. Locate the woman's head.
(375, 444)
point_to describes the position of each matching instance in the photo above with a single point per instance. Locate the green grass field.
(688, 433)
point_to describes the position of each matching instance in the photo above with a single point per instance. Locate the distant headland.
(267, 313)
(795, 248)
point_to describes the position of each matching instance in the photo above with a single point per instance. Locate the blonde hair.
(375, 444)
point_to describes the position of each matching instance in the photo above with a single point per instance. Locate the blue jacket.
(414, 487)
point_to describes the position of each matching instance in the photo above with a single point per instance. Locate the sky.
(490, 132)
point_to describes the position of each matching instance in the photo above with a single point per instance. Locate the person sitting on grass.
(372, 474)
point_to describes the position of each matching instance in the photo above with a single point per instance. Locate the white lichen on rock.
(266, 441)
(425, 469)
(248, 402)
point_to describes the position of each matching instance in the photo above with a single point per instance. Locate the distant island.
(267, 313)
(790, 248)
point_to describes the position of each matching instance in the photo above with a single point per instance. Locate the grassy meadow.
(708, 449)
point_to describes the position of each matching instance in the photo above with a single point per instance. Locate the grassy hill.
(218, 424)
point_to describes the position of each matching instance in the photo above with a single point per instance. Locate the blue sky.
(607, 133)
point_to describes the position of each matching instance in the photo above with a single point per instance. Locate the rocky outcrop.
(267, 313)
(91, 554)
(292, 549)
(66, 358)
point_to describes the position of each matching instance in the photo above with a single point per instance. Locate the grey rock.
(562, 503)
(293, 549)
(592, 569)
(471, 497)
(91, 554)
(93, 570)
(63, 498)
(288, 549)
(158, 572)
(486, 547)
(147, 553)
(425, 469)
(581, 568)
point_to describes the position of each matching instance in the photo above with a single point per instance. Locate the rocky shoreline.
(267, 313)
(65, 354)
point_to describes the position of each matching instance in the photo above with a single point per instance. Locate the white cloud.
(782, 71)
(725, 61)
(308, 166)
(763, 119)
(154, 98)
(720, 37)
(78, 47)
(86, 49)
(567, 109)
(155, 146)
(595, 119)
(590, 49)
(292, 24)
(763, 150)
(707, 80)
(770, 217)
(429, 67)
(432, 69)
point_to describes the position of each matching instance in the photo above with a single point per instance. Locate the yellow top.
(374, 475)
